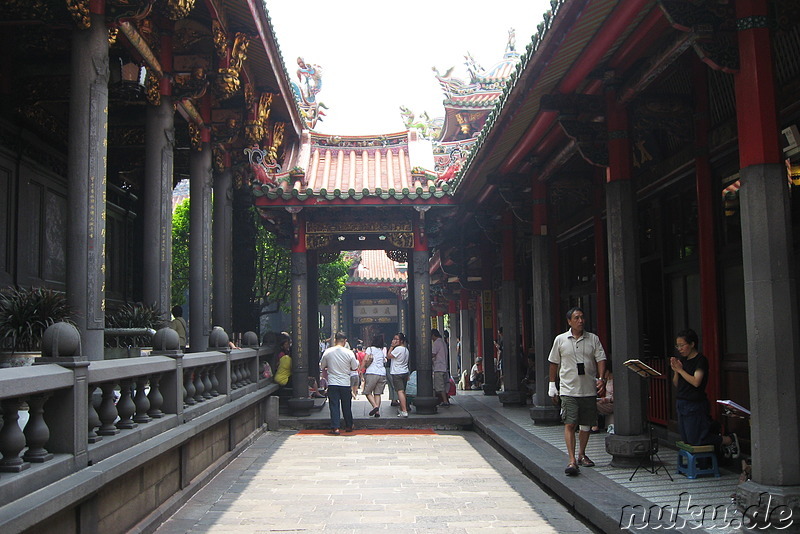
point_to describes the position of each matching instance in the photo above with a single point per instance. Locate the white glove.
(551, 390)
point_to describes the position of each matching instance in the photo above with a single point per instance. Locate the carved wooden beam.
(715, 26)
(573, 104)
(656, 66)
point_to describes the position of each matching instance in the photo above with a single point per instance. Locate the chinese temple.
(639, 158)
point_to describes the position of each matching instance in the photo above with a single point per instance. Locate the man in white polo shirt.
(339, 361)
(579, 361)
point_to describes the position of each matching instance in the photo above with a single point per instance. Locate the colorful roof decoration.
(467, 105)
(352, 167)
(376, 269)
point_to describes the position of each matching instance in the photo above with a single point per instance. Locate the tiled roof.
(356, 167)
(376, 268)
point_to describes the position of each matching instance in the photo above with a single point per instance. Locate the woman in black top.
(690, 376)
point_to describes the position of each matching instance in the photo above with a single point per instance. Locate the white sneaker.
(402, 414)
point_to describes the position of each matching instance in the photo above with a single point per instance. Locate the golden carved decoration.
(176, 9)
(401, 239)
(79, 9)
(255, 130)
(220, 39)
(112, 35)
(192, 86)
(249, 96)
(227, 82)
(218, 155)
(277, 139)
(153, 89)
(194, 137)
(314, 242)
(355, 227)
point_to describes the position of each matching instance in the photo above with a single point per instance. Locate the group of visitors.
(339, 362)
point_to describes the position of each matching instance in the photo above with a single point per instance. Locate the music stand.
(645, 371)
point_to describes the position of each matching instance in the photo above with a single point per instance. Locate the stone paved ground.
(447, 482)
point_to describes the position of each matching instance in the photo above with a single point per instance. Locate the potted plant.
(144, 319)
(25, 313)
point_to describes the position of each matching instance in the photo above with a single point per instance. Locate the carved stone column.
(629, 442)
(425, 400)
(223, 246)
(300, 404)
(511, 393)
(86, 177)
(200, 244)
(543, 410)
(770, 287)
(465, 325)
(157, 239)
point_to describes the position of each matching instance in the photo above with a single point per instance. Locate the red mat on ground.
(375, 431)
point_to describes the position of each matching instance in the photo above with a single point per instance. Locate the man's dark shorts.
(399, 381)
(579, 410)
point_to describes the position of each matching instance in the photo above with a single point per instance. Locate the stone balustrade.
(82, 413)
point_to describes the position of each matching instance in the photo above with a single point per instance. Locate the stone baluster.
(234, 375)
(246, 372)
(198, 385)
(239, 374)
(214, 380)
(207, 382)
(155, 397)
(188, 386)
(36, 432)
(12, 440)
(108, 411)
(92, 418)
(125, 406)
(141, 401)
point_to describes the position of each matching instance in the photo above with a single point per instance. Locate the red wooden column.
(706, 198)
(773, 341)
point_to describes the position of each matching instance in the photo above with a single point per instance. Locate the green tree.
(273, 266)
(180, 252)
(274, 273)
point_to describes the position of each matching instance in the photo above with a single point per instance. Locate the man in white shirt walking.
(339, 362)
(579, 361)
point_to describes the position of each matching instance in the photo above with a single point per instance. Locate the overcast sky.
(376, 56)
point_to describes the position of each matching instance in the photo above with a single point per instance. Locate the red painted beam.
(615, 25)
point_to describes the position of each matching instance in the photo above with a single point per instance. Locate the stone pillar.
(487, 324)
(543, 410)
(425, 401)
(313, 315)
(465, 326)
(629, 442)
(452, 317)
(86, 182)
(773, 341)
(511, 393)
(200, 243)
(223, 246)
(157, 239)
(300, 404)
(159, 139)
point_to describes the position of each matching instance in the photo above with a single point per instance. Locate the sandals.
(584, 461)
(373, 411)
(572, 470)
(334, 432)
